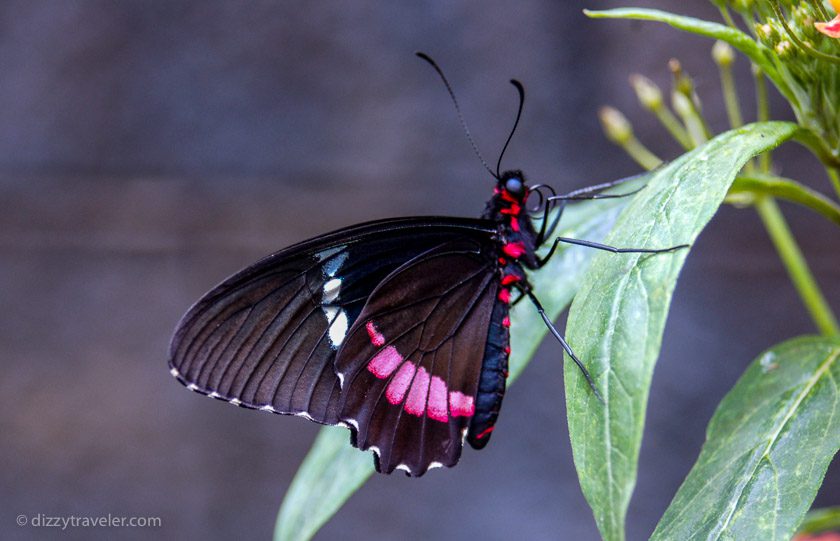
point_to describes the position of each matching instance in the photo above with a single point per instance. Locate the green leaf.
(330, 473)
(616, 320)
(333, 470)
(767, 448)
(820, 520)
(756, 52)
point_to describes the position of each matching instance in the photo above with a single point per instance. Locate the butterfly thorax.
(517, 237)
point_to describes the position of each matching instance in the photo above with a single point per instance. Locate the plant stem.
(727, 18)
(641, 154)
(730, 96)
(796, 266)
(765, 162)
(691, 118)
(835, 178)
(677, 131)
(751, 187)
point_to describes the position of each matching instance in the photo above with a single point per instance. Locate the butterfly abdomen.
(494, 372)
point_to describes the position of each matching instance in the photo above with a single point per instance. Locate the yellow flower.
(832, 27)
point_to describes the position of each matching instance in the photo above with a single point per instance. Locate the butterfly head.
(512, 188)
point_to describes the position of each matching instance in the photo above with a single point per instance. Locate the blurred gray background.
(149, 149)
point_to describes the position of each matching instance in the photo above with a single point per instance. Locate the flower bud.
(784, 49)
(650, 96)
(767, 33)
(681, 104)
(723, 54)
(616, 126)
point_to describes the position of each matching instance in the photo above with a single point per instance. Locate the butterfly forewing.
(410, 363)
(267, 337)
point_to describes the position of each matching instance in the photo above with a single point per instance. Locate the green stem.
(730, 96)
(670, 122)
(834, 176)
(691, 118)
(727, 18)
(765, 160)
(758, 185)
(796, 266)
(818, 5)
(641, 154)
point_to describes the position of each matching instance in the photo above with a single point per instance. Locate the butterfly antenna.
(439, 71)
(521, 90)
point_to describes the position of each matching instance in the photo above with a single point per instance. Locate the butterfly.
(397, 329)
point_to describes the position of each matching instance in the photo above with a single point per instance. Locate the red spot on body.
(510, 279)
(514, 223)
(502, 261)
(484, 433)
(507, 350)
(506, 322)
(437, 400)
(514, 210)
(399, 384)
(415, 403)
(461, 405)
(384, 362)
(514, 249)
(504, 295)
(376, 337)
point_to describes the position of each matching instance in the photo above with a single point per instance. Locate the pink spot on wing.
(461, 405)
(415, 404)
(437, 400)
(384, 362)
(376, 337)
(400, 382)
(506, 322)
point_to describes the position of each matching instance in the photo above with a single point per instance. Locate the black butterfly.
(396, 329)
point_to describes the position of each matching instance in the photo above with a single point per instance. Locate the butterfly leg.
(613, 249)
(582, 194)
(548, 323)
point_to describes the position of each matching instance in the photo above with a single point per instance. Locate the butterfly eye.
(515, 186)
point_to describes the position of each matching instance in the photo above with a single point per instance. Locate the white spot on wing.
(267, 407)
(340, 380)
(353, 422)
(192, 387)
(235, 401)
(304, 415)
(214, 394)
(404, 467)
(376, 450)
(434, 465)
(174, 372)
(338, 329)
(332, 288)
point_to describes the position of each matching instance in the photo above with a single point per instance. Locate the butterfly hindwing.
(267, 337)
(410, 363)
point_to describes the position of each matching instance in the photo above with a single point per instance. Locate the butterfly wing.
(267, 337)
(410, 364)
